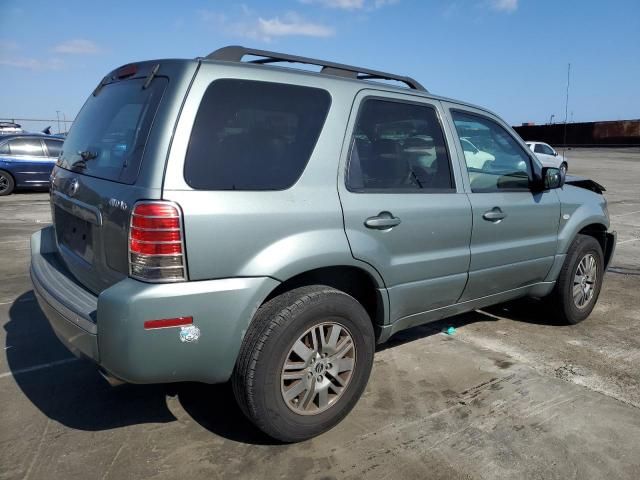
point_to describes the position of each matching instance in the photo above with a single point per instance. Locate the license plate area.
(75, 234)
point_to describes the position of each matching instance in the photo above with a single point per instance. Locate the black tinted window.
(398, 146)
(252, 135)
(26, 146)
(54, 147)
(111, 130)
(498, 162)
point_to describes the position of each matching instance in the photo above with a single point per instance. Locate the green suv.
(224, 218)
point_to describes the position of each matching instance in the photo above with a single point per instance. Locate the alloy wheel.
(584, 281)
(318, 368)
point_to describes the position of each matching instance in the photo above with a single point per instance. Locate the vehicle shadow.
(73, 393)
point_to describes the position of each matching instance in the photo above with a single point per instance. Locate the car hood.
(585, 183)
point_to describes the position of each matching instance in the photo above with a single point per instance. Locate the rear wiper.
(85, 156)
(151, 76)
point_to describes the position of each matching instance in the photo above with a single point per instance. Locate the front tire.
(564, 168)
(580, 280)
(304, 362)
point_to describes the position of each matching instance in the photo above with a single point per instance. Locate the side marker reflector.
(168, 322)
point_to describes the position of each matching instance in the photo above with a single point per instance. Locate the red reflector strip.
(167, 322)
(146, 222)
(156, 248)
(156, 235)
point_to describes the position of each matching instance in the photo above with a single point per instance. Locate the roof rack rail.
(235, 53)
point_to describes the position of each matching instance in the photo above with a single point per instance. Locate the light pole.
(551, 119)
(58, 114)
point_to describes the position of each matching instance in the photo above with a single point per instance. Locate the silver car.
(218, 219)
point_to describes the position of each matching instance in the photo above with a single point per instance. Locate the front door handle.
(382, 221)
(494, 215)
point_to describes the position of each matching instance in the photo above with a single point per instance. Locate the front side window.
(251, 135)
(398, 146)
(498, 162)
(27, 147)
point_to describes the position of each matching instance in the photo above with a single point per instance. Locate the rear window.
(108, 137)
(251, 135)
(54, 147)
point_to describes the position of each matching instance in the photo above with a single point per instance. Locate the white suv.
(548, 156)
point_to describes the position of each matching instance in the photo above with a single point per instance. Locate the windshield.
(108, 137)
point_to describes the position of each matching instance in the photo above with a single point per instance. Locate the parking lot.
(512, 394)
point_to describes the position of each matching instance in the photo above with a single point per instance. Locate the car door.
(30, 162)
(405, 212)
(546, 155)
(515, 230)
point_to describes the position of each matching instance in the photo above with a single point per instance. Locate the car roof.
(360, 82)
(28, 135)
(330, 71)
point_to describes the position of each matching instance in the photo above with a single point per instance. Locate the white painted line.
(625, 214)
(37, 367)
(627, 241)
(22, 300)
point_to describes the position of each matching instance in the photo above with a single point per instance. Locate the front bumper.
(109, 328)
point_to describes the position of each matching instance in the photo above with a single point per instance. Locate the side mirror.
(552, 178)
(555, 154)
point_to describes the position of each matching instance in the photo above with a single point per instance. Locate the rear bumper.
(109, 328)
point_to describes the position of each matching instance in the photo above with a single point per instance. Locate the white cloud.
(291, 25)
(343, 4)
(77, 46)
(8, 45)
(508, 6)
(352, 4)
(250, 25)
(32, 63)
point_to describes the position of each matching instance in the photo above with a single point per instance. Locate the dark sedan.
(26, 160)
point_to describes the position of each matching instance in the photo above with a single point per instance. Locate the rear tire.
(304, 362)
(7, 184)
(580, 280)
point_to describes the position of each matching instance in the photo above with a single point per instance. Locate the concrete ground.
(512, 394)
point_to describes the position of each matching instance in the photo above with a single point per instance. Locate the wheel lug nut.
(319, 378)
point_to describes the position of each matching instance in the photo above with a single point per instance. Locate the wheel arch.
(366, 287)
(606, 240)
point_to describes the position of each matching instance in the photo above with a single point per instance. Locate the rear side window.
(251, 135)
(108, 137)
(26, 146)
(54, 147)
(398, 147)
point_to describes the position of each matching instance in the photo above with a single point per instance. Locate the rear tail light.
(156, 242)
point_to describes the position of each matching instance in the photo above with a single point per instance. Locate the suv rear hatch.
(114, 156)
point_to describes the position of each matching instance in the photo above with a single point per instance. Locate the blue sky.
(508, 55)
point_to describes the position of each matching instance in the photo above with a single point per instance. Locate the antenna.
(566, 105)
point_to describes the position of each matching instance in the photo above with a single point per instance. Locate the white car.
(475, 157)
(548, 156)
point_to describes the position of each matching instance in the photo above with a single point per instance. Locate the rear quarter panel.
(268, 233)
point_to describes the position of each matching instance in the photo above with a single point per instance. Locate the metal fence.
(58, 125)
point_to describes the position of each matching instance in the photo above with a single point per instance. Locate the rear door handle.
(494, 215)
(382, 221)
